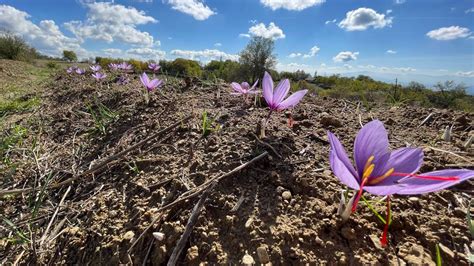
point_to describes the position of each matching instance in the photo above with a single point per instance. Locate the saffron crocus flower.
(122, 80)
(274, 97)
(98, 76)
(154, 67)
(113, 66)
(80, 71)
(380, 171)
(150, 84)
(95, 68)
(243, 88)
(71, 69)
(125, 66)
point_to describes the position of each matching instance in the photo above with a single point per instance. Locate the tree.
(257, 57)
(69, 56)
(15, 48)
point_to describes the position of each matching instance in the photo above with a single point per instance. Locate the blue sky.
(423, 40)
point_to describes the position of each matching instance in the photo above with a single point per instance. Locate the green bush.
(51, 65)
(69, 56)
(15, 48)
(185, 67)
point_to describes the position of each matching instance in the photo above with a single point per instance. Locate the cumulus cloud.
(195, 8)
(112, 51)
(297, 5)
(449, 33)
(330, 21)
(45, 37)
(110, 22)
(260, 30)
(146, 53)
(345, 56)
(293, 55)
(391, 51)
(404, 69)
(467, 74)
(312, 52)
(205, 55)
(364, 18)
(218, 44)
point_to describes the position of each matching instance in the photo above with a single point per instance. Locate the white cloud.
(205, 55)
(449, 33)
(244, 35)
(312, 52)
(271, 32)
(363, 18)
(45, 37)
(146, 53)
(297, 5)
(347, 66)
(467, 74)
(112, 51)
(330, 21)
(399, 2)
(388, 11)
(253, 21)
(345, 56)
(109, 22)
(218, 44)
(391, 51)
(293, 55)
(404, 69)
(470, 10)
(195, 8)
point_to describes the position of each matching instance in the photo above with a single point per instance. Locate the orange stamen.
(381, 178)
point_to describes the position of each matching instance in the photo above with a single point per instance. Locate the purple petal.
(254, 85)
(245, 86)
(236, 86)
(268, 88)
(383, 190)
(144, 79)
(404, 160)
(372, 140)
(281, 91)
(340, 163)
(416, 185)
(293, 100)
(153, 83)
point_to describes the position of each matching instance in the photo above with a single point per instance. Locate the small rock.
(248, 260)
(193, 253)
(263, 255)
(328, 120)
(286, 195)
(376, 241)
(128, 235)
(159, 236)
(348, 233)
(249, 222)
(280, 189)
(413, 199)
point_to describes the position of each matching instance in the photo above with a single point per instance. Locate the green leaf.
(373, 210)
(438, 256)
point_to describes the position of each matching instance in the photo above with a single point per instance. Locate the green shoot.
(438, 256)
(102, 117)
(377, 213)
(22, 238)
(207, 125)
(133, 167)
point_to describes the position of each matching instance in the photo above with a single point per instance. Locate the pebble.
(263, 255)
(348, 233)
(159, 236)
(249, 222)
(248, 260)
(128, 235)
(446, 250)
(413, 199)
(286, 195)
(193, 253)
(280, 189)
(376, 241)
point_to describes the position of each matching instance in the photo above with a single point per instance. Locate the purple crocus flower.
(122, 80)
(80, 71)
(380, 171)
(125, 66)
(150, 84)
(98, 76)
(95, 68)
(71, 69)
(274, 97)
(154, 67)
(113, 66)
(244, 88)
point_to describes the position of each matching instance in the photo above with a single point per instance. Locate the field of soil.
(101, 178)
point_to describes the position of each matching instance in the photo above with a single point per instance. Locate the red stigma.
(383, 239)
(429, 177)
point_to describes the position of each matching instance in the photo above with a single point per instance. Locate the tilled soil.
(284, 206)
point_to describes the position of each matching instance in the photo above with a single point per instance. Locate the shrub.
(52, 65)
(185, 67)
(15, 48)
